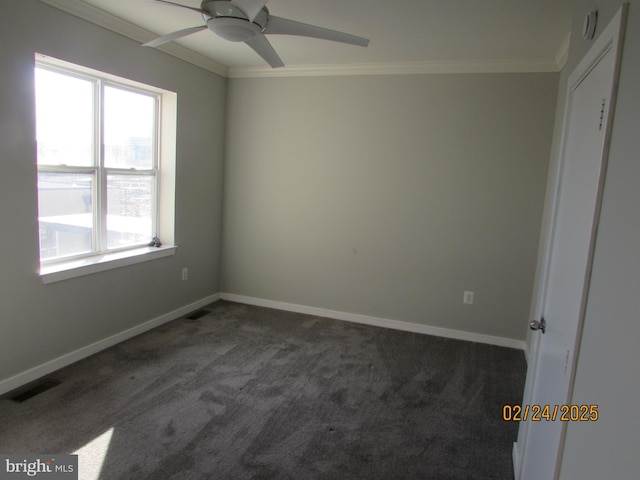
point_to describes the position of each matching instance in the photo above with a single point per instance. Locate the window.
(103, 155)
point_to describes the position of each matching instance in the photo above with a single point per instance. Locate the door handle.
(538, 325)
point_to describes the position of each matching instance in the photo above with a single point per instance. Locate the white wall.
(39, 323)
(389, 196)
(609, 363)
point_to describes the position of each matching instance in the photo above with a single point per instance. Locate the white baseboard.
(46, 368)
(34, 373)
(378, 322)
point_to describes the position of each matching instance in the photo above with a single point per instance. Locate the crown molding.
(123, 27)
(563, 52)
(130, 30)
(407, 68)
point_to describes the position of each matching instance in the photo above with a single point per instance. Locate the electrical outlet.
(467, 297)
(185, 273)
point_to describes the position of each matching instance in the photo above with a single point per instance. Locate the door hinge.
(602, 114)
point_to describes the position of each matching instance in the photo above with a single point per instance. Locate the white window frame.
(163, 172)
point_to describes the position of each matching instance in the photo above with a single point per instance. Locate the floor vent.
(33, 389)
(197, 314)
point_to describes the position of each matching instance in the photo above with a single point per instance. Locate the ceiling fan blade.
(204, 12)
(283, 26)
(262, 47)
(251, 8)
(173, 36)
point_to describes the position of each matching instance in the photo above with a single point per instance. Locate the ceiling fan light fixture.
(249, 21)
(233, 29)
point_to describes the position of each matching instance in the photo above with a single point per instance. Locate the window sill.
(101, 263)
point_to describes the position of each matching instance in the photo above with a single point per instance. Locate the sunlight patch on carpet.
(91, 457)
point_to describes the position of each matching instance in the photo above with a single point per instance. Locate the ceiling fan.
(249, 21)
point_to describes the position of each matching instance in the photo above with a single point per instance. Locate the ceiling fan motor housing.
(249, 21)
(230, 23)
(233, 29)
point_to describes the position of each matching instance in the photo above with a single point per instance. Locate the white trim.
(46, 368)
(163, 173)
(611, 38)
(39, 371)
(116, 24)
(515, 458)
(377, 322)
(406, 68)
(563, 52)
(102, 262)
(130, 30)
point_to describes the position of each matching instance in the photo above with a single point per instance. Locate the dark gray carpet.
(253, 393)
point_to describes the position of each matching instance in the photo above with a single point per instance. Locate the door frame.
(611, 38)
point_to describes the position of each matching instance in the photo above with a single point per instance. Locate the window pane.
(64, 119)
(129, 209)
(129, 120)
(65, 214)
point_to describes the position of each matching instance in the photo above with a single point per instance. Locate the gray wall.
(38, 322)
(389, 196)
(609, 364)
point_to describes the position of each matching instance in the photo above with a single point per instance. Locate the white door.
(563, 298)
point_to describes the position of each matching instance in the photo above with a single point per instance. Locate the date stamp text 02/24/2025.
(546, 413)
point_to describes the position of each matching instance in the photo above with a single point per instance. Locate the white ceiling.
(406, 35)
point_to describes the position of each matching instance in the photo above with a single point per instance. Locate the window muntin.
(98, 163)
